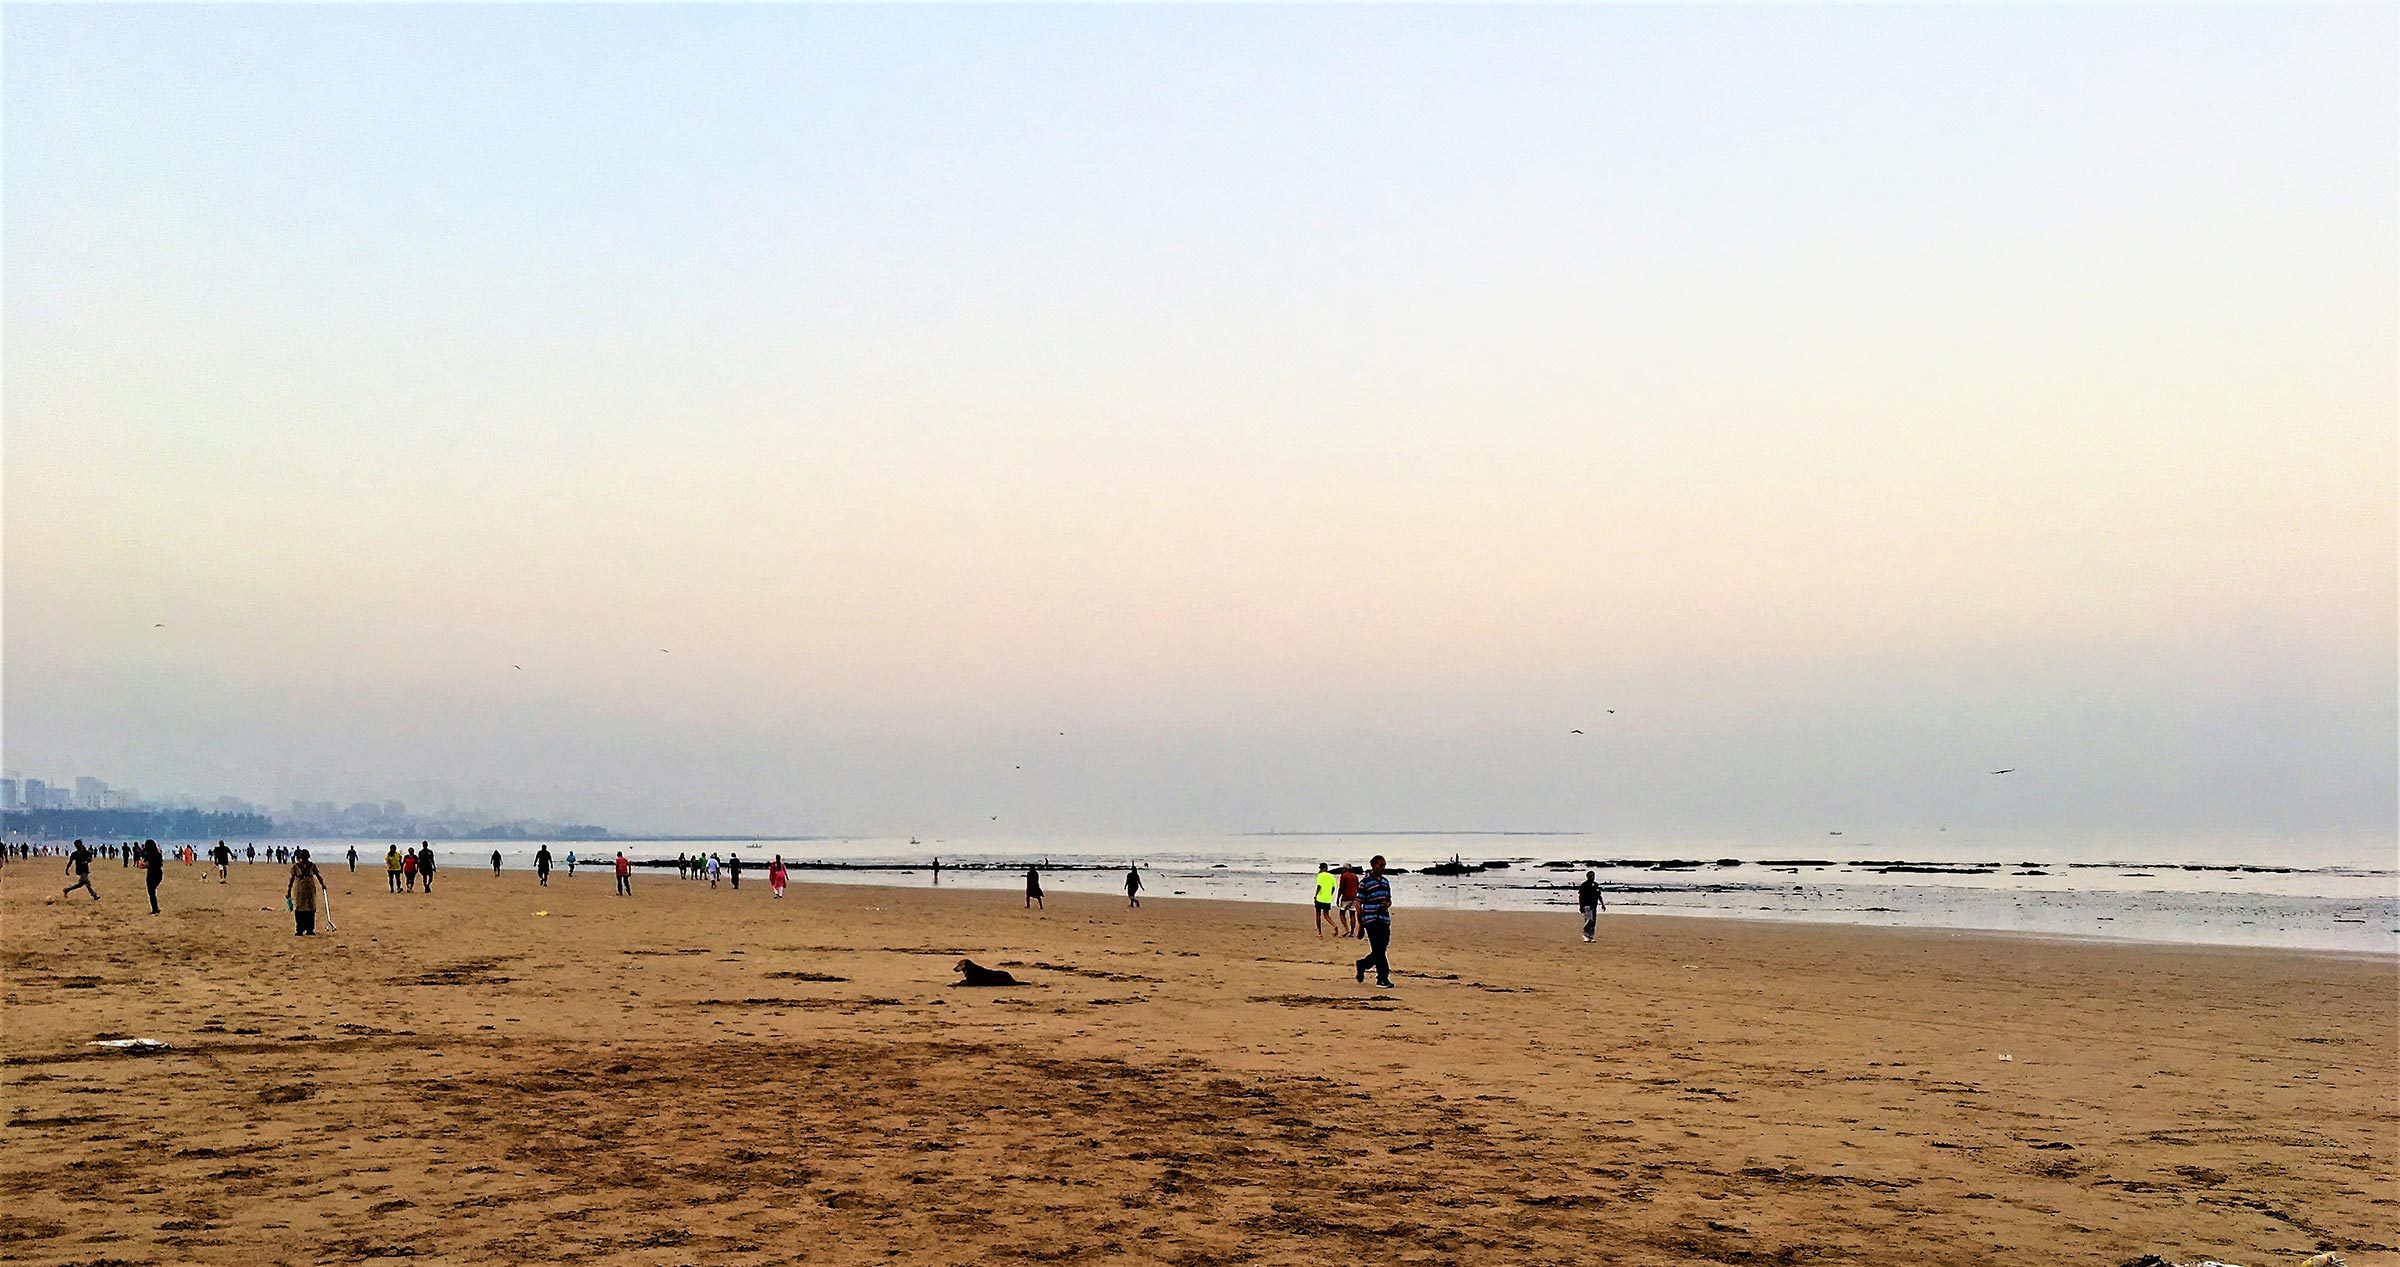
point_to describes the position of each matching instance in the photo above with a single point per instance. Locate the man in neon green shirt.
(1325, 883)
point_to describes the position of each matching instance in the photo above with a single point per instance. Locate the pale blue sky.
(1315, 412)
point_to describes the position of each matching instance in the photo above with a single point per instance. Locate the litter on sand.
(2327, 1259)
(131, 1044)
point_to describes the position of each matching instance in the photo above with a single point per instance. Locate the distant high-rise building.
(37, 794)
(8, 794)
(231, 805)
(90, 793)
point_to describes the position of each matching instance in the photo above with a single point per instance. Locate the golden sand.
(717, 1077)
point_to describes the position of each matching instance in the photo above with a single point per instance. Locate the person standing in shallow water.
(301, 893)
(1375, 915)
(1133, 886)
(1033, 888)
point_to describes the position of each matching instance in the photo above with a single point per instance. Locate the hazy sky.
(1313, 413)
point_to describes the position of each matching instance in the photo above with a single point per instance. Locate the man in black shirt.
(1587, 896)
(79, 861)
(154, 865)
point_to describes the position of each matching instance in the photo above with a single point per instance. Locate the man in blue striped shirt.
(1375, 916)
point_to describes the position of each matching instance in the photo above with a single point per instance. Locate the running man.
(541, 865)
(1133, 886)
(1325, 887)
(79, 861)
(1375, 915)
(624, 875)
(1587, 896)
(154, 869)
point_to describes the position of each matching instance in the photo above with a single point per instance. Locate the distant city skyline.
(956, 420)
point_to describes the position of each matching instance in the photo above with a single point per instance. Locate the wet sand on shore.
(717, 1077)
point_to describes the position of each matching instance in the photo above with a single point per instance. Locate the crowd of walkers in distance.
(1354, 902)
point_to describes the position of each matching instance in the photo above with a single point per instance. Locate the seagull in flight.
(2011, 770)
(518, 667)
(1574, 732)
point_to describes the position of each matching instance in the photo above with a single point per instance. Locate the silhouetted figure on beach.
(1587, 897)
(301, 893)
(495, 862)
(425, 863)
(223, 857)
(1375, 915)
(541, 865)
(79, 861)
(1133, 886)
(733, 870)
(1033, 888)
(353, 851)
(154, 869)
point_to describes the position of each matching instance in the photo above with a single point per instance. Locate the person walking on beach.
(937, 871)
(776, 875)
(495, 863)
(624, 875)
(1375, 915)
(353, 860)
(223, 857)
(715, 868)
(541, 865)
(1133, 886)
(154, 869)
(391, 867)
(1587, 896)
(79, 861)
(301, 893)
(252, 851)
(1033, 888)
(425, 863)
(408, 869)
(733, 871)
(1346, 902)
(1325, 888)
(683, 867)
(570, 864)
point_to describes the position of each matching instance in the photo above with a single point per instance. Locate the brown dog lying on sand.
(977, 974)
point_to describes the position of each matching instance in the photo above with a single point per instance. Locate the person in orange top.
(624, 875)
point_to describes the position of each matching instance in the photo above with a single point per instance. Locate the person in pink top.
(776, 875)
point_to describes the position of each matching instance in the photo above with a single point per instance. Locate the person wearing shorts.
(1346, 903)
(1326, 883)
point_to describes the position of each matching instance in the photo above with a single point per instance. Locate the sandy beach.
(499, 1072)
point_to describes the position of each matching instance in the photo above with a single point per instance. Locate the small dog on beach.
(977, 974)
